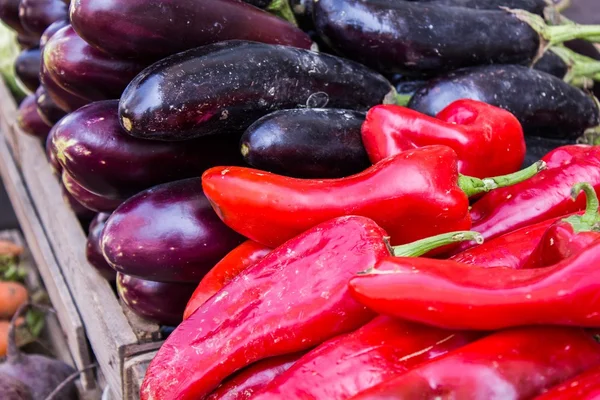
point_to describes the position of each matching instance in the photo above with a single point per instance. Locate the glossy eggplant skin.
(168, 233)
(57, 169)
(307, 143)
(63, 99)
(27, 42)
(533, 6)
(27, 68)
(92, 249)
(538, 147)
(216, 88)
(9, 14)
(89, 200)
(84, 70)
(552, 64)
(47, 108)
(37, 15)
(405, 37)
(83, 214)
(51, 30)
(161, 302)
(153, 29)
(29, 119)
(545, 105)
(91, 145)
(258, 3)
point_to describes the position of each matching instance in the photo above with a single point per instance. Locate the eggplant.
(86, 71)
(83, 214)
(92, 249)
(538, 147)
(395, 36)
(533, 6)
(37, 15)
(63, 99)
(93, 148)
(89, 200)
(225, 87)
(150, 29)
(51, 30)
(552, 64)
(52, 160)
(27, 42)
(27, 68)
(307, 143)
(545, 105)
(162, 302)
(47, 108)
(29, 119)
(168, 233)
(9, 14)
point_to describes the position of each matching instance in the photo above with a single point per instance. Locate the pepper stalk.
(590, 219)
(473, 186)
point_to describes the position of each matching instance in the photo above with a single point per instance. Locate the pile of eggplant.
(135, 99)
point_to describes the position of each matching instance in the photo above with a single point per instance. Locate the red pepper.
(224, 271)
(348, 364)
(453, 295)
(245, 384)
(508, 365)
(570, 235)
(293, 299)
(488, 140)
(583, 387)
(413, 195)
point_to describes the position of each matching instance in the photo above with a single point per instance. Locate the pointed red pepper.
(416, 194)
(488, 140)
(583, 387)
(514, 364)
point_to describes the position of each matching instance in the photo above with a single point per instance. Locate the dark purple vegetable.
(533, 6)
(52, 160)
(92, 250)
(538, 147)
(168, 233)
(225, 87)
(86, 71)
(84, 215)
(65, 100)
(162, 302)
(307, 143)
(552, 64)
(545, 105)
(258, 3)
(153, 29)
(27, 42)
(302, 10)
(51, 30)
(91, 145)
(13, 389)
(27, 68)
(407, 86)
(47, 108)
(37, 15)
(29, 119)
(89, 200)
(9, 14)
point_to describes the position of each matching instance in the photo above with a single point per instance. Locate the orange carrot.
(12, 296)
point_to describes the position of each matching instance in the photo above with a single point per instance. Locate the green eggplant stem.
(473, 186)
(282, 9)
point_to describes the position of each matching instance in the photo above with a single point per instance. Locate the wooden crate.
(117, 337)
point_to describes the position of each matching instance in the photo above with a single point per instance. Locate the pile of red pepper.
(379, 285)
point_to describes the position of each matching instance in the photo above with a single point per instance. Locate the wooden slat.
(134, 371)
(8, 119)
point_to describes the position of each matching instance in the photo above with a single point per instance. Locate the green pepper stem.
(590, 220)
(424, 246)
(473, 186)
(282, 9)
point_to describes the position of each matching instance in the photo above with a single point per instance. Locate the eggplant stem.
(282, 9)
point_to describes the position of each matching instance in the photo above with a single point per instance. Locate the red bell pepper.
(453, 295)
(293, 299)
(413, 195)
(224, 271)
(508, 365)
(570, 235)
(583, 387)
(348, 364)
(488, 140)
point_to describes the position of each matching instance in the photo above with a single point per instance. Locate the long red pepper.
(488, 140)
(413, 195)
(293, 299)
(453, 295)
(507, 365)
(583, 387)
(348, 364)
(224, 271)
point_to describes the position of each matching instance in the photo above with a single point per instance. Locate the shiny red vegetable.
(583, 387)
(488, 140)
(508, 365)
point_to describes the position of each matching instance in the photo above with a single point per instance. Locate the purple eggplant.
(89, 200)
(86, 71)
(83, 214)
(92, 249)
(93, 148)
(150, 29)
(168, 233)
(226, 86)
(52, 160)
(29, 119)
(27, 68)
(162, 302)
(27, 42)
(37, 15)
(533, 6)
(63, 99)
(47, 108)
(51, 30)
(9, 14)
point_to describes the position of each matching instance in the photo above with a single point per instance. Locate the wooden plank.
(133, 376)
(8, 120)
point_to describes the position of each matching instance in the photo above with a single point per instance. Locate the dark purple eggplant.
(162, 302)
(545, 105)
(63, 99)
(9, 14)
(37, 15)
(27, 68)
(51, 30)
(407, 86)
(307, 143)
(83, 214)
(168, 233)
(52, 160)
(533, 6)
(27, 42)
(92, 250)
(552, 64)
(538, 147)
(86, 71)
(89, 200)
(29, 119)
(91, 145)
(225, 87)
(47, 108)
(150, 29)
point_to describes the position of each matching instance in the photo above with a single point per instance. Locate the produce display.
(331, 199)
